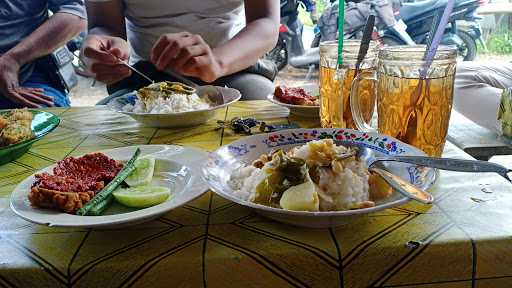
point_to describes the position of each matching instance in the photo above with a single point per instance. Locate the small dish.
(300, 110)
(42, 124)
(221, 96)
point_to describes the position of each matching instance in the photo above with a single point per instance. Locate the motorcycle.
(289, 43)
(355, 20)
(418, 18)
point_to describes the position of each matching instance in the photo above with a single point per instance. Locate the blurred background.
(300, 23)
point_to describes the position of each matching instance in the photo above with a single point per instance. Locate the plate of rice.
(172, 104)
(311, 177)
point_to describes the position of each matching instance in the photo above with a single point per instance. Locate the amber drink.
(410, 108)
(336, 84)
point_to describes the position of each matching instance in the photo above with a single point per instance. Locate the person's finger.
(101, 68)
(199, 62)
(99, 55)
(200, 67)
(173, 49)
(14, 96)
(119, 53)
(40, 94)
(186, 54)
(32, 89)
(35, 98)
(164, 41)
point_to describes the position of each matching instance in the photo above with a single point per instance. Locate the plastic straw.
(341, 21)
(431, 51)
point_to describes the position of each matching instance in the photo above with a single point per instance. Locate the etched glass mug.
(335, 83)
(414, 111)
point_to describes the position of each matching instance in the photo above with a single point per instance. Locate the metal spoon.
(460, 165)
(400, 185)
(403, 187)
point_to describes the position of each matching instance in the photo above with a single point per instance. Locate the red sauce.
(86, 173)
(295, 96)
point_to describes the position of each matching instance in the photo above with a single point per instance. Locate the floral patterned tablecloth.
(463, 240)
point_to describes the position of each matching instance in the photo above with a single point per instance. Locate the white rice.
(345, 189)
(174, 104)
(244, 181)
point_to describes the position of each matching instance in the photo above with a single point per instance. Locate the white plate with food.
(301, 101)
(164, 177)
(302, 177)
(173, 104)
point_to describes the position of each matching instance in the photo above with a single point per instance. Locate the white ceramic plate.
(176, 167)
(221, 96)
(300, 110)
(227, 159)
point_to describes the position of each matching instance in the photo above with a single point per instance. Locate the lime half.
(142, 196)
(143, 173)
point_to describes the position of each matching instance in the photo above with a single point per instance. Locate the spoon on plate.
(460, 165)
(400, 185)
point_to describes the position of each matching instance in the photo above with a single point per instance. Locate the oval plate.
(300, 110)
(221, 96)
(42, 124)
(226, 159)
(176, 166)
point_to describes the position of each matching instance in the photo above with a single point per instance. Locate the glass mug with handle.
(411, 110)
(335, 83)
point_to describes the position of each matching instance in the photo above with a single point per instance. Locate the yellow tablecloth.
(463, 240)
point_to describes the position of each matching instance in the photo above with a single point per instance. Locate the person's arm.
(107, 36)
(54, 33)
(258, 37)
(190, 55)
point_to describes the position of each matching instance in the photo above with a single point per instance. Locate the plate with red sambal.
(119, 186)
(301, 101)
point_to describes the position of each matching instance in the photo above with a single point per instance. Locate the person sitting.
(27, 36)
(478, 89)
(195, 38)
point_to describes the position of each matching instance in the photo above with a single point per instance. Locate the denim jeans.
(40, 79)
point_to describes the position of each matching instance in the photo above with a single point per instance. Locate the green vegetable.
(142, 196)
(101, 207)
(107, 190)
(285, 172)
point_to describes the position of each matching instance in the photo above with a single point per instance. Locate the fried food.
(15, 126)
(68, 202)
(15, 132)
(74, 182)
(20, 115)
(3, 122)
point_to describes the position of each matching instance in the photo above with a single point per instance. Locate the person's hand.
(9, 86)
(188, 55)
(103, 55)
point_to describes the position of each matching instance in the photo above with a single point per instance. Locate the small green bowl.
(42, 124)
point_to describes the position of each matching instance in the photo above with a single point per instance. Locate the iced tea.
(417, 117)
(335, 97)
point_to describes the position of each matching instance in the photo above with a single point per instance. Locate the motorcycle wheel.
(468, 50)
(278, 55)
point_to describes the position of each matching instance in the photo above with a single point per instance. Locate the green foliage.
(500, 43)
(304, 16)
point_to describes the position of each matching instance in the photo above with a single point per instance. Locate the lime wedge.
(142, 196)
(143, 173)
